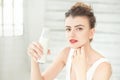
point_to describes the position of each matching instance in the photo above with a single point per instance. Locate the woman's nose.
(72, 33)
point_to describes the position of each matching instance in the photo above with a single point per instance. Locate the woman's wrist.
(33, 62)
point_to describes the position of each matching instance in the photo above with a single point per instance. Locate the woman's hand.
(35, 51)
(79, 63)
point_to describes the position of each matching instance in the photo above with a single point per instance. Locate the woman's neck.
(89, 52)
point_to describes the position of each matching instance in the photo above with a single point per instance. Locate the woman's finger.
(75, 53)
(38, 46)
(33, 53)
(78, 51)
(37, 50)
(49, 51)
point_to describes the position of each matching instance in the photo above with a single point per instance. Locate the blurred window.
(11, 17)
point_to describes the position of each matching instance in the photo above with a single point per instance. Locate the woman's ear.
(91, 34)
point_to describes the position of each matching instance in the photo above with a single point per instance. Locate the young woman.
(81, 61)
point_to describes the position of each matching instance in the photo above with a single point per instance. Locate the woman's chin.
(76, 46)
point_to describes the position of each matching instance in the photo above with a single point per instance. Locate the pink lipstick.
(73, 41)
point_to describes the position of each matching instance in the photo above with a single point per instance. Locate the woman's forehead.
(78, 20)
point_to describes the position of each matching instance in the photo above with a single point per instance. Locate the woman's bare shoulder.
(103, 71)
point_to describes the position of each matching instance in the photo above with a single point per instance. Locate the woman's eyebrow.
(68, 26)
(79, 25)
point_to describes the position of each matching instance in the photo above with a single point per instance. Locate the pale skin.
(84, 56)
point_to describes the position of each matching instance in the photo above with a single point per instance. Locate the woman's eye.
(79, 29)
(68, 29)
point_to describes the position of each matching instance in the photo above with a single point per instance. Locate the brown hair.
(81, 9)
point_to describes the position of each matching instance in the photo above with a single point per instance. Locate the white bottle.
(44, 41)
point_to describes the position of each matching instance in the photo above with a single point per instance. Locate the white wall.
(13, 61)
(34, 17)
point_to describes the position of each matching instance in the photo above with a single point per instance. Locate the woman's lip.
(73, 41)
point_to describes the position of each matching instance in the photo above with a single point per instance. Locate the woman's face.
(78, 31)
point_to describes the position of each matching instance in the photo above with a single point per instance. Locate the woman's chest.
(73, 74)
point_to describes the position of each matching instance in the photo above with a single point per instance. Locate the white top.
(91, 70)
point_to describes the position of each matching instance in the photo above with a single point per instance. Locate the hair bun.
(82, 5)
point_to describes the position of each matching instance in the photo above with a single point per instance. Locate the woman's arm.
(57, 65)
(35, 51)
(50, 73)
(35, 71)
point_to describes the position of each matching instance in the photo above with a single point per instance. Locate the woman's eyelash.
(80, 28)
(68, 29)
